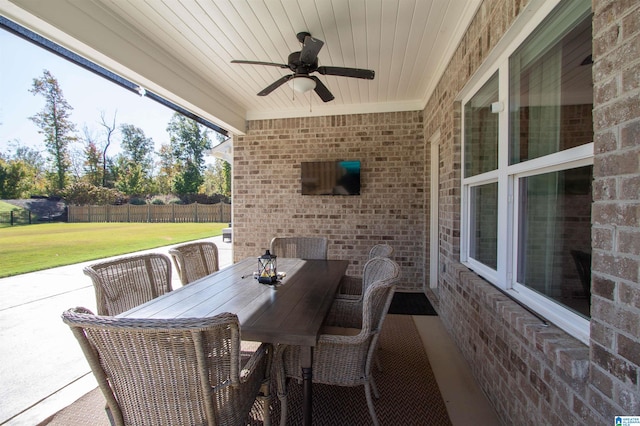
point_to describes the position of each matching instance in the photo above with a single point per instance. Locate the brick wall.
(615, 325)
(267, 189)
(532, 373)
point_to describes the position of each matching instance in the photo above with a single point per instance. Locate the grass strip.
(35, 247)
(6, 207)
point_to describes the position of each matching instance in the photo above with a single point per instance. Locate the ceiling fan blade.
(272, 64)
(321, 90)
(273, 86)
(310, 50)
(347, 72)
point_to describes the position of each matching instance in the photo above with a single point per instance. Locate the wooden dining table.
(289, 312)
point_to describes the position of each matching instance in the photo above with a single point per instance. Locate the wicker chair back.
(129, 281)
(300, 247)
(195, 260)
(178, 372)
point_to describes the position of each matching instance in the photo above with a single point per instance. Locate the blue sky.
(88, 94)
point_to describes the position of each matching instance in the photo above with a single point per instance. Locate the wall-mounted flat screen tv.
(330, 177)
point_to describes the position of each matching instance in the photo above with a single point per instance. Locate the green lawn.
(6, 207)
(31, 248)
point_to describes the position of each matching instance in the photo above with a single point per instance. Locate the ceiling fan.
(305, 62)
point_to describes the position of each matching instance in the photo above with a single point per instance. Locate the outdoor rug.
(411, 304)
(409, 394)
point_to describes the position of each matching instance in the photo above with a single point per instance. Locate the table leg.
(307, 380)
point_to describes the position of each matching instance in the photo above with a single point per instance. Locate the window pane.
(481, 130)
(551, 89)
(483, 229)
(554, 253)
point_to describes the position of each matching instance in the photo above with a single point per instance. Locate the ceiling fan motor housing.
(296, 65)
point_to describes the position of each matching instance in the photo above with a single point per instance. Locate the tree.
(132, 179)
(166, 170)
(13, 176)
(188, 181)
(93, 169)
(136, 147)
(135, 164)
(55, 124)
(189, 141)
(76, 162)
(30, 156)
(110, 130)
(226, 171)
(216, 178)
(21, 173)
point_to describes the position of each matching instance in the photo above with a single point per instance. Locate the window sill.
(562, 351)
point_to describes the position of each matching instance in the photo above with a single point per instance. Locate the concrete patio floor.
(42, 368)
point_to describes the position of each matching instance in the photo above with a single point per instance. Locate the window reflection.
(551, 92)
(555, 236)
(483, 242)
(481, 130)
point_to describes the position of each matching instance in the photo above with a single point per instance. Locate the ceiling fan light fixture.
(302, 84)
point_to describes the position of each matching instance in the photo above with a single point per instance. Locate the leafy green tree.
(166, 170)
(93, 169)
(226, 171)
(188, 181)
(135, 164)
(22, 173)
(13, 176)
(30, 156)
(56, 126)
(216, 178)
(136, 147)
(189, 141)
(132, 179)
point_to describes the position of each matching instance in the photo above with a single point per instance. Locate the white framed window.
(527, 160)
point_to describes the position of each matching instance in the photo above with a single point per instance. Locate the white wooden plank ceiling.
(406, 42)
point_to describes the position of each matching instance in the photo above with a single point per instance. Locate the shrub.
(136, 201)
(204, 199)
(82, 193)
(165, 199)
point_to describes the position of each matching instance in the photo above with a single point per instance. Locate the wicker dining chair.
(344, 304)
(352, 287)
(129, 281)
(187, 371)
(374, 270)
(195, 260)
(347, 343)
(300, 247)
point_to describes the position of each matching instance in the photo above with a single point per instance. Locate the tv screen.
(330, 177)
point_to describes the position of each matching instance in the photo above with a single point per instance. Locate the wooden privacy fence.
(178, 213)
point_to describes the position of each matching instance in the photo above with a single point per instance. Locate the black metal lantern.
(267, 269)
